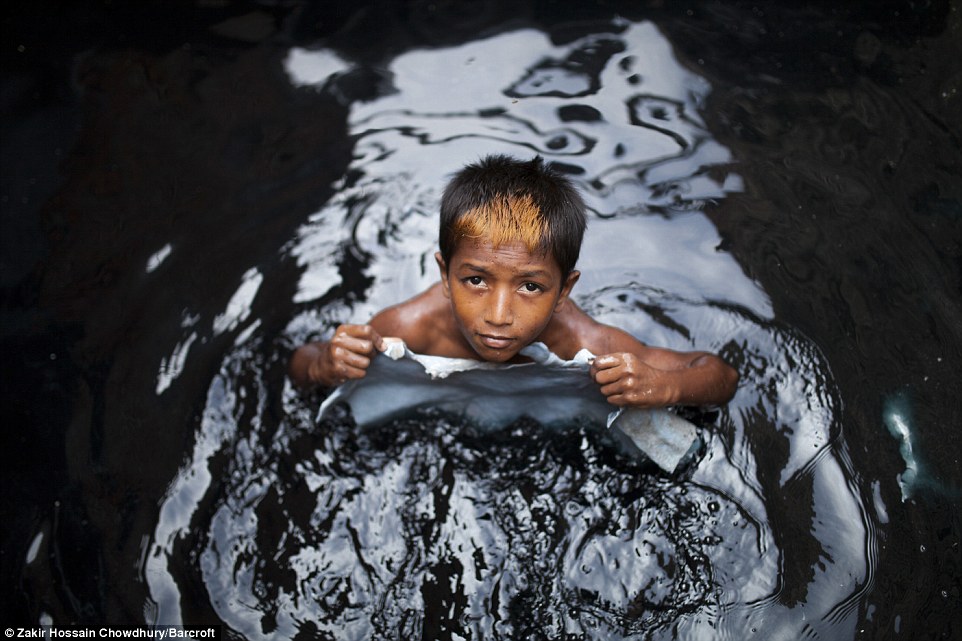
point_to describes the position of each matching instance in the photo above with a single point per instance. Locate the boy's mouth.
(495, 342)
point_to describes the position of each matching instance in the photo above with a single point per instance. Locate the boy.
(510, 235)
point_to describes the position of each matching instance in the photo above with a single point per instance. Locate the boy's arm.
(348, 353)
(327, 363)
(631, 373)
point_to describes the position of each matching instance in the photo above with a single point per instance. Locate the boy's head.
(503, 200)
(510, 236)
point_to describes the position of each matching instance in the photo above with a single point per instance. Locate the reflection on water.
(427, 527)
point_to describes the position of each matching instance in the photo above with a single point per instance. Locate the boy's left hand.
(625, 379)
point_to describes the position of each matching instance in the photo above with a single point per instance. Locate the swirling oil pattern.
(429, 528)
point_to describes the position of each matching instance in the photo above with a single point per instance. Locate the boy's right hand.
(346, 356)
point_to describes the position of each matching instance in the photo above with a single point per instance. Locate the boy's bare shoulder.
(573, 330)
(415, 320)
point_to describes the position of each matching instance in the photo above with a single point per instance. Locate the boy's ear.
(566, 289)
(445, 287)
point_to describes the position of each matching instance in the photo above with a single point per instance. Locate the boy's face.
(502, 297)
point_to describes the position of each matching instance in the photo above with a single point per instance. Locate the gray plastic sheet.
(548, 389)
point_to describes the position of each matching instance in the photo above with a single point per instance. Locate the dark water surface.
(189, 193)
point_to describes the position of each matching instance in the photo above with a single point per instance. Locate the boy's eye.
(474, 280)
(532, 287)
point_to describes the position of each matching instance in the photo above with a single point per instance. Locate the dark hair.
(503, 182)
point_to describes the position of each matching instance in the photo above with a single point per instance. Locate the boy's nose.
(499, 312)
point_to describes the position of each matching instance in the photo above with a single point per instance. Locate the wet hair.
(502, 199)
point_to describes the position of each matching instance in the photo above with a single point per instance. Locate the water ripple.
(429, 527)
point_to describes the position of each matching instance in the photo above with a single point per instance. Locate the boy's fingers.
(357, 331)
(612, 388)
(626, 399)
(616, 399)
(614, 393)
(352, 344)
(607, 369)
(605, 362)
(349, 358)
(354, 372)
(606, 376)
(346, 372)
(371, 338)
